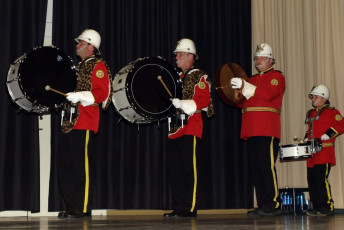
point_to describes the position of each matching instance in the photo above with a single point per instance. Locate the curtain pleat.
(22, 26)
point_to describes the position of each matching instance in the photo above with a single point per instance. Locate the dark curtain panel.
(130, 162)
(22, 28)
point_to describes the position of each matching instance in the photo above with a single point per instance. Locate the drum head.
(146, 93)
(222, 81)
(41, 67)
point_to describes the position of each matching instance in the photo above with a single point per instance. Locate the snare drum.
(31, 73)
(295, 151)
(139, 96)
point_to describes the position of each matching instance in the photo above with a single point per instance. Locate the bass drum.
(139, 96)
(29, 75)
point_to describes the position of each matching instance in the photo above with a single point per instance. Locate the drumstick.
(163, 83)
(47, 88)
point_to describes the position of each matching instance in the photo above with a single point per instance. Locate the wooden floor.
(203, 221)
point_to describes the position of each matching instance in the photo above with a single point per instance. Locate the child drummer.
(326, 123)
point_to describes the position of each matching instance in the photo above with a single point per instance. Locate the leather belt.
(327, 144)
(95, 104)
(261, 109)
(198, 111)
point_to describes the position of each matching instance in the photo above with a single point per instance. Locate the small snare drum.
(295, 151)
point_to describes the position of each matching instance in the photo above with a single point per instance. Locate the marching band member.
(261, 127)
(183, 141)
(93, 90)
(328, 123)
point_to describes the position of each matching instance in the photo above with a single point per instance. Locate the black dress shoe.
(77, 214)
(171, 214)
(255, 211)
(62, 215)
(176, 213)
(186, 214)
(271, 212)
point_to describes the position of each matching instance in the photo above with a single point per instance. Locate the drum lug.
(19, 98)
(124, 88)
(128, 107)
(14, 79)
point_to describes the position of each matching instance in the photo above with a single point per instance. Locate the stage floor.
(154, 222)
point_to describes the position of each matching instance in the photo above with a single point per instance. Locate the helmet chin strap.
(315, 103)
(182, 58)
(82, 48)
(263, 63)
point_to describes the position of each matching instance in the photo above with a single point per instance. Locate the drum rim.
(294, 145)
(302, 157)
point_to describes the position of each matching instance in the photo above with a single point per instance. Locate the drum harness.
(314, 148)
(180, 118)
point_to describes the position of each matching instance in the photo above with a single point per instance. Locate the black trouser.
(73, 169)
(319, 188)
(262, 153)
(182, 171)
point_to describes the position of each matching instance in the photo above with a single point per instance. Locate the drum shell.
(16, 92)
(121, 102)
(295, 151)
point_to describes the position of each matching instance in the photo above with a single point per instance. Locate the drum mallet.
(163, 83)
(47, 88)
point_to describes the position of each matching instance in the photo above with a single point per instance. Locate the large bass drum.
(29, 75)
(140, 95)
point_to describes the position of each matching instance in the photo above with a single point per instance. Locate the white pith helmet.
(320, 90)
(90, 36)
(263, 50)
(186, 45)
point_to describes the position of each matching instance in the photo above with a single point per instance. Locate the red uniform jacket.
(269, 94)
(89, 115)
(330, 122)
(202, 99)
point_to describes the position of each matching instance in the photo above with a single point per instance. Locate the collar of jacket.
(265, 71)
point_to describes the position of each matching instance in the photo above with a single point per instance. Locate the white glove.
(177, 102)
(305, 140)
(188, 106)
(247, 91)
(85, 97)
(325, 137)
(236, 83)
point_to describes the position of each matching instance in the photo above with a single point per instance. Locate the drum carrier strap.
(314, 148)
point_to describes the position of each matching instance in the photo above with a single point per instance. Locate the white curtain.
(307, 37)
